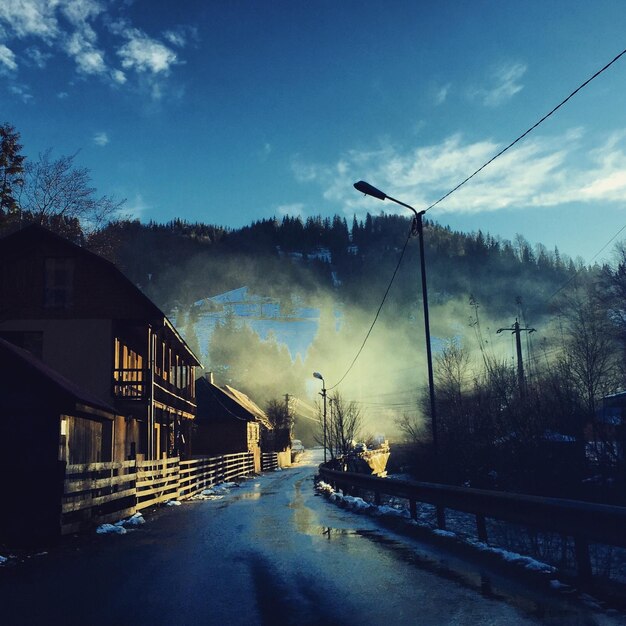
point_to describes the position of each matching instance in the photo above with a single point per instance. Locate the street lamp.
(370, 190)
(323, 394)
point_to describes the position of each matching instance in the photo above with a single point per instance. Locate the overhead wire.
(465, 181)
(527, 132)
(395, 271)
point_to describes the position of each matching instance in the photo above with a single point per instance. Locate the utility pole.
(517, 331)
(288, 416)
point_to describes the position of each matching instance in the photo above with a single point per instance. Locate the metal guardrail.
(583, 521)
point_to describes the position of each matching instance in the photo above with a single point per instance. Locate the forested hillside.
(178, 263)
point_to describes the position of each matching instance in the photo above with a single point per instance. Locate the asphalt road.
(270, 552)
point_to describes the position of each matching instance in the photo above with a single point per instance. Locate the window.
(59, 283)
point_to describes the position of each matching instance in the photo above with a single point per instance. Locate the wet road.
(270, 552)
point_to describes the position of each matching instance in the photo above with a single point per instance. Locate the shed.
(227, 421)
(47, 422)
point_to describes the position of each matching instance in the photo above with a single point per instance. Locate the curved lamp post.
(370, 190)
(323, 394)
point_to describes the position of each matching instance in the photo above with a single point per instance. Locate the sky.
(229, 111)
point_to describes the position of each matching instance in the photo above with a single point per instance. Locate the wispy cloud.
(95, 35)
(101, 139)
(544, 171)
(504, 84)
(30, 18)
(144, 54)
(292, 210)
(135, 208)
(440, 94)
(37, 57)
(21, 91)
(7, 59)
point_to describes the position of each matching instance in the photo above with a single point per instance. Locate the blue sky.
(230, 111)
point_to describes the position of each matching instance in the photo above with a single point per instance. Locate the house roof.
(233, 402)
(34, 231)
(10, 353)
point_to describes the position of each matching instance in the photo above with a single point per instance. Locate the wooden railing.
(157, 481)
(269, 461)
(96, 493)
(130, 383)
(585, 522)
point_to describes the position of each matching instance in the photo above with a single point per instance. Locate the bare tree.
(57, 191)
(590, 351)
(412, 427)
(344, 422)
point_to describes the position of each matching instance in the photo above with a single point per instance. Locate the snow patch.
(3, 560)
(444, 533)
(110, 529)
(172, 503)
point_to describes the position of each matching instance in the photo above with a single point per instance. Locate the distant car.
(296, 449)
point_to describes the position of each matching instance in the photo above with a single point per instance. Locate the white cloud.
(136, 208)
(79, 12)
(541, 172)
(30, 18)
(118, 76)
(75, 27)
(144, 54)
(37, 57)
(176, 38)
(441, 94)
(292, 210)
(21, 91)
(88, 58)
(7, 59)
(505, 84)
(101, 139)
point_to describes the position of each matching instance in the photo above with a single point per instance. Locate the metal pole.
(429, 357)
(324, 397)
(520, 361)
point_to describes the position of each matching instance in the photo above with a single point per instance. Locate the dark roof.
(233, 402)
(35, 230)
(9, 353)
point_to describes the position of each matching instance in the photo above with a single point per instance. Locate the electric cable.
(466, 180)
(395, 271)
(527, 132)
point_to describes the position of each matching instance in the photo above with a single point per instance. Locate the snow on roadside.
(398, 511)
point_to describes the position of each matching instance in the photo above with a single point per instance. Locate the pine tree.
(11, 168)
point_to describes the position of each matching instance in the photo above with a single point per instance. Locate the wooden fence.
(585, 522)
(269, 461)
(97, 493)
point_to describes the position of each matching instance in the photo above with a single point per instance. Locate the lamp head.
(318, 375)
(370, 190)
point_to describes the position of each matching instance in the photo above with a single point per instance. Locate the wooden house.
(47, 422)
(227, 421)
(79, 313)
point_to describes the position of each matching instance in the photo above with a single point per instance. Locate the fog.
(387, 378)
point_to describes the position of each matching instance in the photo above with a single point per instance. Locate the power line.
(466, 180)
(395, 271)
(543, 119)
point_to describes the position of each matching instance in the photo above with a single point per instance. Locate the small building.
(47, 422)
(83, 318)
(227, 421)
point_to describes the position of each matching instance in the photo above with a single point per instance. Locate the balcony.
(131, 384)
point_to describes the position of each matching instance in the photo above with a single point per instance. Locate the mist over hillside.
(477, 284)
